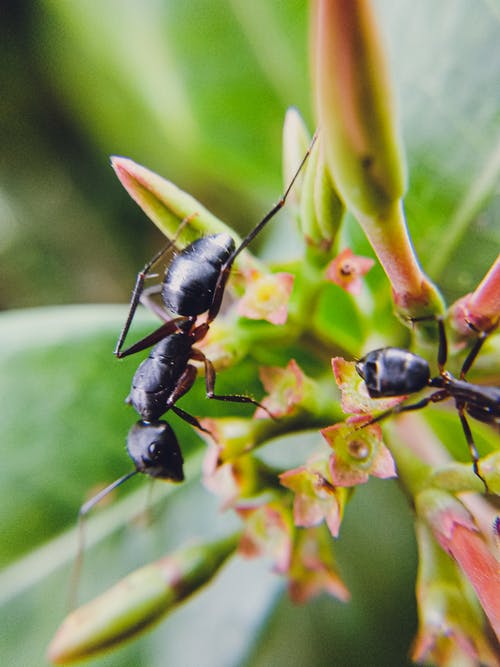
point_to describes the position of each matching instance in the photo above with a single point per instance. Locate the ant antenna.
(248, 239)
(83, 511)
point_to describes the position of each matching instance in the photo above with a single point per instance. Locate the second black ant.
(391, 371)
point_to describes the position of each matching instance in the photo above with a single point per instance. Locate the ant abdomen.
(190, 280)
(157, 375)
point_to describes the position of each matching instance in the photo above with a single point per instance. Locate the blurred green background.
(197, 91)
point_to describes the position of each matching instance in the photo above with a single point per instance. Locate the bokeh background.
(196, 91)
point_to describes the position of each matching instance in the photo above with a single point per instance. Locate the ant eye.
(154, 450)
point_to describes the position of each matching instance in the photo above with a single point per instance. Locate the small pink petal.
(344, 476)
(211, 461)
(347, 270)
(383, 464)
(267, 532)
(358, 451)
(313, 570)
(223, 483)
(285, 387)
(355, 398)
(315, 499)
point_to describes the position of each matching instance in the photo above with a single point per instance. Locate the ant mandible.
(391, 371)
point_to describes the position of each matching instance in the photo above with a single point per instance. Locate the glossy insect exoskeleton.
(158, 377)
(391, 371)
(154, 449)
(191, 277)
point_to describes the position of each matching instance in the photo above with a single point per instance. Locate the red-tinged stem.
(413, 293)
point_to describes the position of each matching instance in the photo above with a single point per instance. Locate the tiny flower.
(312, 570)
(315, 496)
(266, 296)
(231, 481)
(355, 398)
(233, 436)
(348, 269)
(285, 389)
(358, 452)
(227, 471)
(268, 532)
(223, 482)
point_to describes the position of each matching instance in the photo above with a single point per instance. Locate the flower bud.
(138, 601)
(166, 204)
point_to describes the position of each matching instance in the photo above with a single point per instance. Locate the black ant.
(391, 371)
(193, 284)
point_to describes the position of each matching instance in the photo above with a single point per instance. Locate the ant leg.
(443, 345)
(471, 357)
(210, 376)
(182, 386)
(471, 444)
(190, 419)
(152, 305)
(219, 289)
(443, 349)
(224, 274)
(139, 285)
(169, 327)
(436, 397)
(136, 295)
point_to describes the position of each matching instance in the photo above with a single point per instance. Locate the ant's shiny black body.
(193, 284)
(391, 371)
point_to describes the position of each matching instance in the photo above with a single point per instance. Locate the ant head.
(154, 449)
